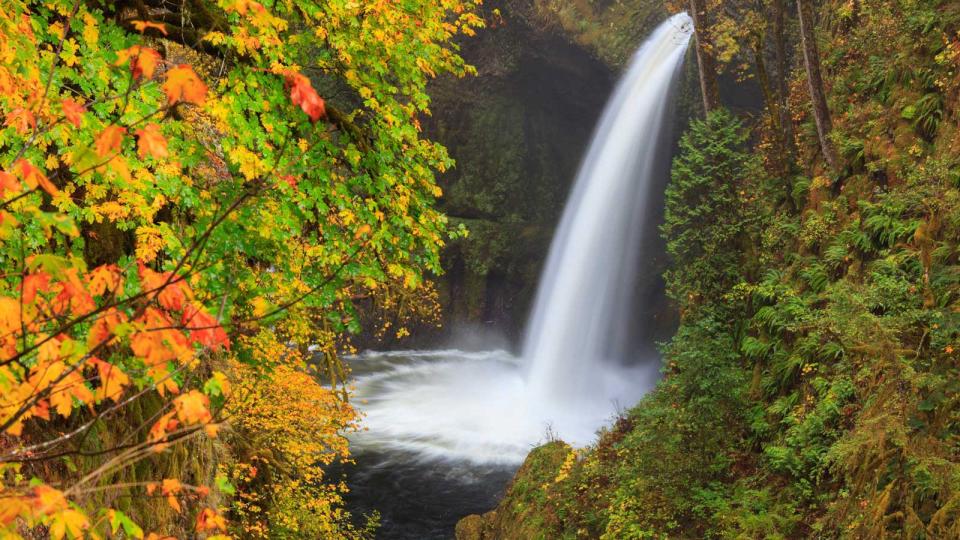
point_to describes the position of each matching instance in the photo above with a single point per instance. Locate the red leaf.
(151, 142)
(109, 140)
(204, 329)
(73, 111)
(182, 84)
(143, 60)
(34, 283)
(33, 177)
(303, 94)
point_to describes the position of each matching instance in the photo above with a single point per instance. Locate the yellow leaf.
(68, 522)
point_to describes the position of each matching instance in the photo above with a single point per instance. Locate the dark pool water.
(421, 500)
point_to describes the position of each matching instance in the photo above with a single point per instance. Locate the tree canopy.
(192, 195)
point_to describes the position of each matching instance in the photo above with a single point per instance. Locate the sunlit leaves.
(34, 178)
(143, 60)
(142, 235)
(73, 111)
(109, 140)
(183, 84)
(150, 142)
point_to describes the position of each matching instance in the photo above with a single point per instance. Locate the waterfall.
(576, 333)
(491, 407)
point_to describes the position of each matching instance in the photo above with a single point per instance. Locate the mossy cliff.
(521, 516)
(517, 132)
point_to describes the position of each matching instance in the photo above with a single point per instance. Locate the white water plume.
(576, 369)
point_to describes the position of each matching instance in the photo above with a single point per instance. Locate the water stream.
(457, 423)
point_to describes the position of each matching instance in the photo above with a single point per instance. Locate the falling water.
(491, 407)
(576, 334)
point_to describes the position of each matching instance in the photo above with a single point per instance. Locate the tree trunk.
(783, 91)
(811, 56)
(781, 159)
(705, 59)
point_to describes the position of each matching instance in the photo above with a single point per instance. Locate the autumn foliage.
(181, 215)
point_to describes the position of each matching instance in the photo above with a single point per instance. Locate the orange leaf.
(33, 177)
(73, 111)
(109, 140)
(143, 60)
(151, 142)
(170, 486)
(204, 328)
(112, 380)
(182, 84)
(192, 408)
(21, 119)
(141, 26)
(242, 6)
(303, 94)
(101, 333)
(8, 182)
(158, 431)
(104, 278)
(47, 500)
(172, 294)
(208, 520)
(34, 283)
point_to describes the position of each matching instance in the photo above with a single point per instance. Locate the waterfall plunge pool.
(445, 430)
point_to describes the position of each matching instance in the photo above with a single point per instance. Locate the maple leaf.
(303, 94)
(33, 177)
(151, 142)
(104, 278)
(172, 295)
(32, 284)
(143, 60)
(41, 409)
(109, 140)
(193, 408)
(47, 500)
(183, 84)
(242, 6)
(158, 431)
(112, 380)
(8, 182)
(73, 111)
(209, 520)
(102, 331)
(204, 328)
(21, 119)
(70, 386)
(69, 523)
(142, 26)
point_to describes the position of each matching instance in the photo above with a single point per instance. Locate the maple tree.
(174, 195)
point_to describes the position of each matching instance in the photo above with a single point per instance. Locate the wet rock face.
(517, 131)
